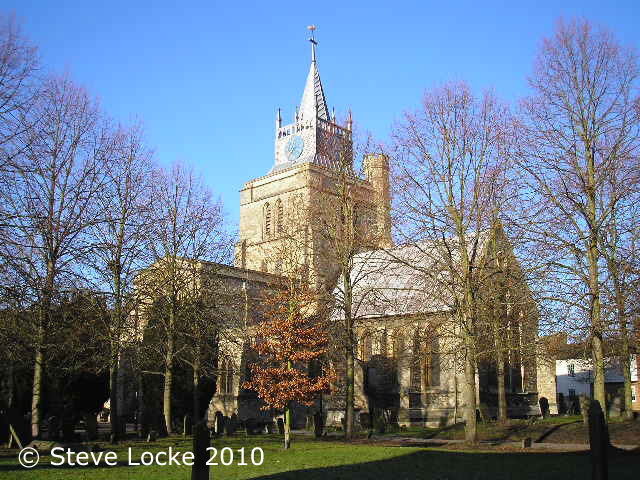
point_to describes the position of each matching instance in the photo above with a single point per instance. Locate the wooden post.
(599, 442)
(201, 441)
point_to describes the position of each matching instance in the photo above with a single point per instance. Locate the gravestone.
(186, 425)
(615, 410)
(53, 428)
(598, 441)
(153, 436)
(317, 424)
(484, 413)
(91, 426)
(280, 426)
(544, 407)
(585, 402)
(219, 423)
(201, 442)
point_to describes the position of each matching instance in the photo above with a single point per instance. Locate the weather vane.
(313, 42)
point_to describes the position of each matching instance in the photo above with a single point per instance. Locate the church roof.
(313, 97)
(405, 280)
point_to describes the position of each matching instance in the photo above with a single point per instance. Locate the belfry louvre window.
(267, 219)
(279, 217)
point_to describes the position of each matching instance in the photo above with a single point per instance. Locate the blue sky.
(207, 77)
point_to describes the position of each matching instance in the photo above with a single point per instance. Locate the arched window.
(366, 346)
(267, 219)
(226, 377)
(398, 344)
(279, 217)
(384, 349)
(416, 363)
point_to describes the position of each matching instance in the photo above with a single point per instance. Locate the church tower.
(306, 152)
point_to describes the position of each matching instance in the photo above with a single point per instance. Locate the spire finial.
(313, 43)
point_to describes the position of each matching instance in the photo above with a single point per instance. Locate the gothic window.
(279, 217)
(383, 344)
(226, 377)
(366, 347)
(425, 361)
(398, 344)
(432, 358)
(416, 367)
(267, 219)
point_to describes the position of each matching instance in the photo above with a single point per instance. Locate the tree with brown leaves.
(291, 337)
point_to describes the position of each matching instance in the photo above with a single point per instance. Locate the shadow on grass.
(444, 465)
(553, 429)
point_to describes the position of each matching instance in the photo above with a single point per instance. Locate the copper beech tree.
(289, 340)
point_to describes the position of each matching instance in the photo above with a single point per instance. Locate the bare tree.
(343, 225)
(50, 195)
(577, 126)
(450, 163)
(120, 237)
(18, 84)
(187, 230)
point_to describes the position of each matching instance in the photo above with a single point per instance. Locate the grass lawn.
(310, 459)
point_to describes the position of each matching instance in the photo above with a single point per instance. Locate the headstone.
(365, 420)
(484, 413)
(201, 442)
(585, 402)
(598, 441)
(91, 426)
(615, 410)
(280, 426)
(544, 407)
(317, 424)
(219, 423)
(153, 436)
(526, 442)
(228, 427)
(186, 426)
(53, 428)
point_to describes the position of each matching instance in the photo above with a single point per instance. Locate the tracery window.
(267, 219)
(366, 346)
(226, 377)
(279, 217)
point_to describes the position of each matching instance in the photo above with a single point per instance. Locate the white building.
(574, 376)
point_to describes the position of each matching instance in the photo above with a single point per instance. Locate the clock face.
(294, 148)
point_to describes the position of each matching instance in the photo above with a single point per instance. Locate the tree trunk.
(196, 397)
(113, 397)
(594, 285)
(503, 415)
(168, 385)
(349, 354)
(287, 427)
(624, 334)
(36, 412)
(471, 428)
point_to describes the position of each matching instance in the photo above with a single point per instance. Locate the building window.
(572, 393)
(279, 217)
(267, 219)
(572, 370)
(633, 393)
(365, 351)
(226, 377)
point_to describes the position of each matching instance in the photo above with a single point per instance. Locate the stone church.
(408, 362)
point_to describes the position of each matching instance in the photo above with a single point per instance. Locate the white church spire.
(313, 102)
